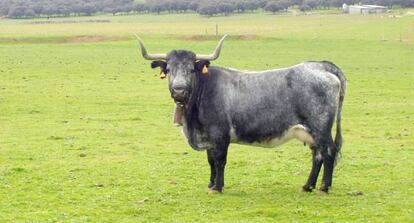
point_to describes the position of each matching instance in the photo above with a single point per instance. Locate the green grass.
(86, 127)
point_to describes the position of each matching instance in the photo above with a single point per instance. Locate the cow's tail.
(338, 137)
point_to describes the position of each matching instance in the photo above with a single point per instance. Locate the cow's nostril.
(179, 92)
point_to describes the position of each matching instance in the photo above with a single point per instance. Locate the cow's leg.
(328, 156)
(219, 155)
(213, 172)
(316, 167)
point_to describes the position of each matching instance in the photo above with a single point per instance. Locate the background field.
(86, 126)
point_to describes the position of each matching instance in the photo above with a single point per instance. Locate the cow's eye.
(192, 71)
(166, 71)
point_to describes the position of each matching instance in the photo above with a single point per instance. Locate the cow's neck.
(191, 107)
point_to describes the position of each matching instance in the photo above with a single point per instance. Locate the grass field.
(86, 126)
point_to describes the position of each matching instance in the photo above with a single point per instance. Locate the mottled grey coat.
(259, 108)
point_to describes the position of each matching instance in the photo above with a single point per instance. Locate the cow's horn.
(216, 52)
(146, 55)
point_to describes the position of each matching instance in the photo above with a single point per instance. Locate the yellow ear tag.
(205, 69)
(162, 75)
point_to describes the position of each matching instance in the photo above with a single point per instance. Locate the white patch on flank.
(329, 151)
(233, 136)
(318, 156)
(299, 132)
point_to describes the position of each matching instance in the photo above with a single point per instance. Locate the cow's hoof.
(307, 188)
(323, 191)
(214, 190)
(210, 185)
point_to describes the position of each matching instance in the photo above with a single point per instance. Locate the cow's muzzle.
(179, 94)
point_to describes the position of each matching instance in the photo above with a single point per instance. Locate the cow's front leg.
(219, 159)
(212, 168)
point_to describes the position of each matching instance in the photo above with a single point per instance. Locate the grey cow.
(267, 108)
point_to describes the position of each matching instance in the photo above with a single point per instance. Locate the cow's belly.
(299, 132)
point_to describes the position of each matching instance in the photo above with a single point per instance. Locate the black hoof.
(210, 185)
(307, 188)
(324, 190)
(214, 191)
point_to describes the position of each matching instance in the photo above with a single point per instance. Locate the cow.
(267, 108)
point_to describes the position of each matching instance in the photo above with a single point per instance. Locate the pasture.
(86, 125)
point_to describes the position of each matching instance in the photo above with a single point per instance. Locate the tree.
(208, 9)
(112, 10)
(88, 9)
(311, 3)
(29, 13)
(62, 10)
(193, 6)
(273, 7)
(17, 12)
(225, 7)
(140, 7)
(157, 7)
(262, 3)
(252, 5)
(240, 6)
(304, 8)
(37, 9)
(182, 5)
(285, 4)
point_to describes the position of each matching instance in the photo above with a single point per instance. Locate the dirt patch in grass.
(197, 37)
(94, 38)
(70, 21)
(246, 37)
(61, 40)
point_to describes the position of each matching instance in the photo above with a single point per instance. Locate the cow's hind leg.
(328, 156)
(316, 167)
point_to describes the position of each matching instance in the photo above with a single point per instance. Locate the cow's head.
(181, 68)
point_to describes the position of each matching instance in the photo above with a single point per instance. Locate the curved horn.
(146, 55)
(216, 52)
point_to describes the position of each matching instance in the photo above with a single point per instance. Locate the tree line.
(65, 8)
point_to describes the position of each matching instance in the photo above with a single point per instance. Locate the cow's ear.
(202, 66)
(162, 65)
(159, 63)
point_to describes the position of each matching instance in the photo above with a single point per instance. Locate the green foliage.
(63, 8)
(86, 126)
(274, 6)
